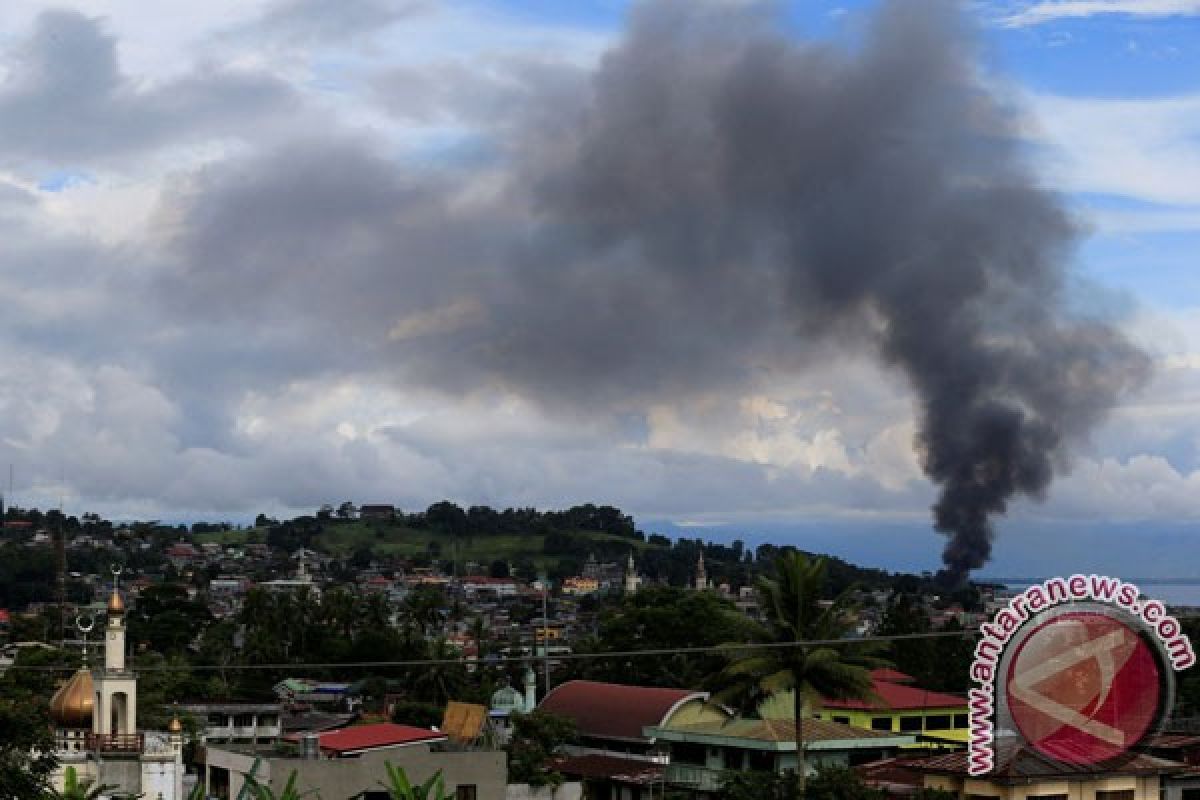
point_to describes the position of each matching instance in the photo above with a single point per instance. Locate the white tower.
(115, 718)
(530, 690)
(631, 578)
(701, 575)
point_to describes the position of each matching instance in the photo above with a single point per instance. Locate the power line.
(664, 651)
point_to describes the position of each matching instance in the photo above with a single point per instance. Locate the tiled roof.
(619, 770)
(614, 711)
(372, 737)
(892, 676)
(1169, 740)
(782, 730)
(895, 697)
(1017, 764)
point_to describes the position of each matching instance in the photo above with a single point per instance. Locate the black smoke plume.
(714, 197)
(877, 195)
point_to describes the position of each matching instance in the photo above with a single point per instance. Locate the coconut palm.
(76, 789)
(400, 788)
(793, 611)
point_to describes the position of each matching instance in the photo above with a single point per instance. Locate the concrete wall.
(342, 778)
(1144, 787)
(523, 791)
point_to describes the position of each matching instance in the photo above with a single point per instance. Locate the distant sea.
(1173, 594)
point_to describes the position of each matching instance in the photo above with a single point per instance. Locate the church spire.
(701, 575)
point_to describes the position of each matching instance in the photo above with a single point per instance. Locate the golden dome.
(175, 726)
(71, 707)
(115, 604)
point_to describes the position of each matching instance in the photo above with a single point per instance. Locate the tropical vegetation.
(801, 648)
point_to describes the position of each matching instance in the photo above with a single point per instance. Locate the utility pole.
(546, 633)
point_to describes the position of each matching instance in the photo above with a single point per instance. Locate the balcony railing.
(132, 743)
(694, 777)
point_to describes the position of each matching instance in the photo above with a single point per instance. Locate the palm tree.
(399, 787)
(75, 789)
(289, 792)
(791, 605)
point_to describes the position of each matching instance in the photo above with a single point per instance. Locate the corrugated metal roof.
(612, 710)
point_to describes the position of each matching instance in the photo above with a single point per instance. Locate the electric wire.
(608, 654)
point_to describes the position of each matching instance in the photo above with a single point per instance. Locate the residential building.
(350, 763)
(698, 752)
(898, 707)
(382, 511)
(1023, 774)
(237, 723)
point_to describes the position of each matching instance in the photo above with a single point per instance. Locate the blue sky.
(220, 277)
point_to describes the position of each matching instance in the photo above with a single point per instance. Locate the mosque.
(95, 726)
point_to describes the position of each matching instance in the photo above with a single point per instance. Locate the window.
(1045, 797)
(881, 723)
(938, 722)
(1118, 794)
(910, 724)
(961, 721)
(465, 792)
(842, 720)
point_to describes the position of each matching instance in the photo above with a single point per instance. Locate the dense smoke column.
(877, 197)
(688, 219)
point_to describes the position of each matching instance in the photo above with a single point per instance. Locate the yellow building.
(933, 717)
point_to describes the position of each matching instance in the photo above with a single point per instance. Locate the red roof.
(895, 697)
(4, 618)
(373, 737)
(614, 711)
(612, 768)
(1018, 764)
(892, 676)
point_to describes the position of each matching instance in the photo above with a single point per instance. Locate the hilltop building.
(95, 725)
(631, 577)
(701, 575)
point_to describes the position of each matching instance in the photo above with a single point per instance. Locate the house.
(1023, 774)
(377, 511)
(479, 584)
(183, 554)
(935, 717)
(580, 586)
(699, 752)
(237, 723)
(325, 694)
(350, 763)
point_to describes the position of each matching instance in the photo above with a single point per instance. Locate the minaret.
(631, 578)
(530, 690)
(701, 576)
(116, 687)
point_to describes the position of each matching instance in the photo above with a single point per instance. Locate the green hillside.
(343, 538)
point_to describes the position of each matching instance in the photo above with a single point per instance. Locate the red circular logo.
(1084, 687)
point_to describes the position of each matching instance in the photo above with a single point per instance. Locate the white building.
(95, 727)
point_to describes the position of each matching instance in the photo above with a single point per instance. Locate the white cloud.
(1051, 10)
(1144, 149)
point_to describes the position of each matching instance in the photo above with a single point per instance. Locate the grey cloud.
(320, 21)
(66, 99)
(721, 199)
